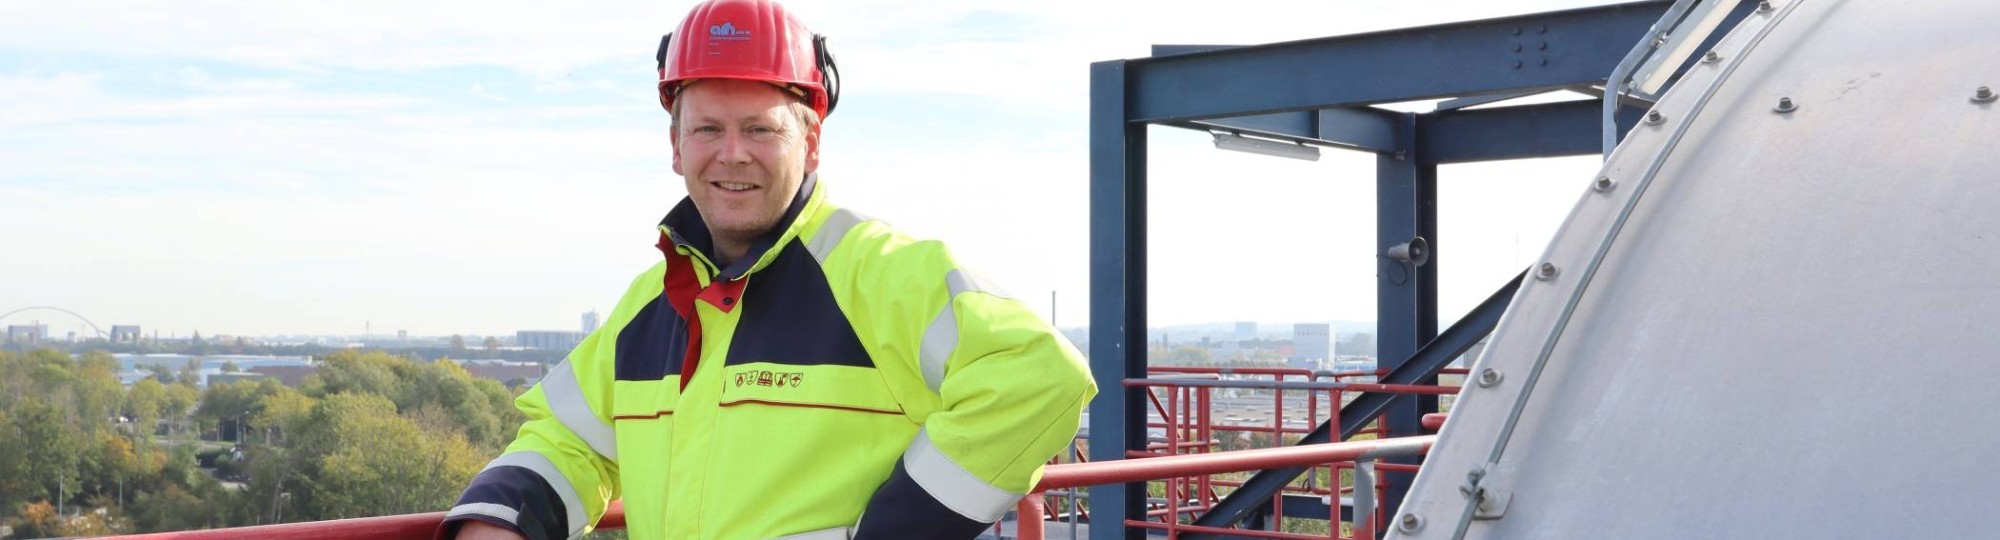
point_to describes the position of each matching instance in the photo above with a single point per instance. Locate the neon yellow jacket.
(841, 366)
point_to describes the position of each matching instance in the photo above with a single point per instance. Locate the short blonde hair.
(808, 118)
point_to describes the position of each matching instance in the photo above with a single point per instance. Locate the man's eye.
(707, 129)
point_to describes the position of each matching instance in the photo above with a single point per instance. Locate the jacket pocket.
(802, 447)
(832, 387)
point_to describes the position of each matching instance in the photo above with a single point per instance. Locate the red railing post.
(1031, 506)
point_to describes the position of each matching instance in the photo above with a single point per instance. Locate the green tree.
(366, 460)
(50, 448)
(143, 405)
(190, 373)
(234, 403)
(181, 398)
(97, 390)
(371, 372)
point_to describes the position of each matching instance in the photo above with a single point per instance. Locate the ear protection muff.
(829, 74)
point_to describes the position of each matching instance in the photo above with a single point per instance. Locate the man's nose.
(735, 149)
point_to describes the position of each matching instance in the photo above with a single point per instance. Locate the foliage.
(371, 434)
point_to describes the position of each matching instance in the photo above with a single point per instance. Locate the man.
(792, 369)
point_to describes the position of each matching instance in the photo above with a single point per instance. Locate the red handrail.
(421, 526)
(397, 527)
(1154, 468)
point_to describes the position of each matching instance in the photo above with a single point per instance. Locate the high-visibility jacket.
(842, 380)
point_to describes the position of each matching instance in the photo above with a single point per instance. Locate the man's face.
(743, 153)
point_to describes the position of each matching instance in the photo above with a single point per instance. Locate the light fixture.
(1232, 141)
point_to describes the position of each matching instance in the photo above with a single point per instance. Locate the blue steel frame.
(1308, 91)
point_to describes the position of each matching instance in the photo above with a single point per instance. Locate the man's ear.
(674, 139)
(812, 150)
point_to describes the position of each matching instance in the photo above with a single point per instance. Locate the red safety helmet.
(756, 40)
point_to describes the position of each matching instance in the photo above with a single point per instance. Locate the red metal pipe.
(1434, 421)
(421, 526)
(397, 527)
(1234, 371)
(1139, 470)
(1246, 533)
(1396, 467)
(1030, 505)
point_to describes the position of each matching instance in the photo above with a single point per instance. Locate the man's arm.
(561, 471)
(1012, 390)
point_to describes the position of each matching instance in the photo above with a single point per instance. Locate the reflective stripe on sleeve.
(831, 231)
(497, 511)
(566, 400)
(942, 335)
(540, 465)
(952, 485)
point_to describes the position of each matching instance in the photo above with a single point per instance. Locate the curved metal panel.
(1769, 320)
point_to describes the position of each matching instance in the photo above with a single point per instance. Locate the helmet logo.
(728, 32)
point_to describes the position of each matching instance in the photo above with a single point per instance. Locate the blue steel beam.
(1359, 128)
(1568, 128)
(1117, 293)
(1434, 356)
(1405, 295)
(1169, 50)
(1540, 51)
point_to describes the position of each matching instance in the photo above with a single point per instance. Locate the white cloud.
(269, 203)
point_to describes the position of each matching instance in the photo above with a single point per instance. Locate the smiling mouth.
(733, 186)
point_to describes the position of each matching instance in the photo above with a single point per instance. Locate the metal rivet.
(1984, 95)
(1517, 64)
(1546, 271)
(1711, 57)
(1542, 29)
(1545, 61)
(1488, 377)
(1604, 184)
(1517, 47)
(1410, 523)
(1542, 46)
(1764, 6)
(1517, 30)
(1785, 105)
(1655, 118)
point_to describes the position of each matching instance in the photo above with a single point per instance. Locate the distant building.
(403, 336)
(1246, 331)
(590, 321)
(1312, 341)
(548, 339)
(125, 335)
(292, 376)
(27, 333)
(505, 370)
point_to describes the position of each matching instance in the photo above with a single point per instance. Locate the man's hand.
(480, 530)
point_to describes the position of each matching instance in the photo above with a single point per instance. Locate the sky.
(481, 167)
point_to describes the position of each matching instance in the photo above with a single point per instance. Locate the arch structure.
(78, 316)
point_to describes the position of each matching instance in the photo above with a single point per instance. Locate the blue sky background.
(448, 167)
